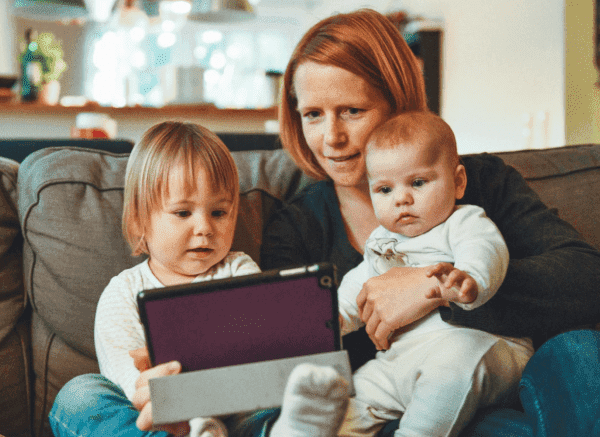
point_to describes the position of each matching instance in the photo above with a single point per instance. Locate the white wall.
(503, 68)
(8, 62)
(582, 93)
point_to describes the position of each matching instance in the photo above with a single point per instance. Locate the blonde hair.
(422, 127)
(365, 43)
(163, 147)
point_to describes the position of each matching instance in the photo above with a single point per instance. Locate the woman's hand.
(395, 299)
(141, 397)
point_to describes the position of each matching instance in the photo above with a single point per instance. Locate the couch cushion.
(14, 338)
(70, 203)
(568, 179)
(271, 171)
(12, 297)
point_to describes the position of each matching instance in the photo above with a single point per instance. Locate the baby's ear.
(460, 181)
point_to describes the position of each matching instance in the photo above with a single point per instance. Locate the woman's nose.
(334, 132)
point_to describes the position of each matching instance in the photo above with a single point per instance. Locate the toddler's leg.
(468, 370)
(93, 406)
(314, 403)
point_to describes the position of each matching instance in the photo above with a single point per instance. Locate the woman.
(348, 74)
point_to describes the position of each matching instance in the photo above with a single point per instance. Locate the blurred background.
(509, 75)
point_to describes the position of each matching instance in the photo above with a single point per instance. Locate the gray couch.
(60, 243)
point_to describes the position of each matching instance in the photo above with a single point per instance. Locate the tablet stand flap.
(233, 389)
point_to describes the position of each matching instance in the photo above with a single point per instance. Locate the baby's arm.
(454, 285)
(117, 331)
(348, 291)
(479, 251)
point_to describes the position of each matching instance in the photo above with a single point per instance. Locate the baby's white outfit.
(435, 375)
(118, 328)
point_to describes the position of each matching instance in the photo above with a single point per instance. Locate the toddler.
(180, 208)
(434, 375)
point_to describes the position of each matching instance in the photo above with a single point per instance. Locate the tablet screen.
(246, 323)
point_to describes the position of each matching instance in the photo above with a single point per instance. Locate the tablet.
(246, 319)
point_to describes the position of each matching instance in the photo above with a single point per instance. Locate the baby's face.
(413, 190)
(192, 231)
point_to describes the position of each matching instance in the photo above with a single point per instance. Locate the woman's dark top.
(553, 279)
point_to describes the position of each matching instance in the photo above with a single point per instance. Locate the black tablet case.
(246, 319)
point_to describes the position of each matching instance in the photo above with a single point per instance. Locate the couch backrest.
(19, 149)
(568, 179)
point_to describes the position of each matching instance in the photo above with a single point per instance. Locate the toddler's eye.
(182, 213)
(417, 183)
(219, 213)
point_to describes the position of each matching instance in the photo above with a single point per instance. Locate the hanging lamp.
(50, 10)
(221, 10)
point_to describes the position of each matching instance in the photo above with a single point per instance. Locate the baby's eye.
(385, 189)
(418, 183)
(182, 213)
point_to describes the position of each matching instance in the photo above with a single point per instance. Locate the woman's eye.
(311, 115)
(418, 183)
(353, 112)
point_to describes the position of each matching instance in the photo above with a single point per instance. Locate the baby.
(435, 375)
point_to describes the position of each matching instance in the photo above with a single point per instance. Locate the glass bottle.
(33, 64)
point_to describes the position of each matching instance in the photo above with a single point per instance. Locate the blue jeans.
(560, 396)
(91, 405)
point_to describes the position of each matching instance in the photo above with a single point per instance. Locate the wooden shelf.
(201, 110)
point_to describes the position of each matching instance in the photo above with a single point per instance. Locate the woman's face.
(339, 110)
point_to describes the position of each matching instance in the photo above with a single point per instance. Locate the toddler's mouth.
(201, 249)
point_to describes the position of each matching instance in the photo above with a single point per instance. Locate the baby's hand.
(454, 285)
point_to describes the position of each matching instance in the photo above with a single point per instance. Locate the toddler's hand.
(141, 358)
(141, 397)
(454, 285)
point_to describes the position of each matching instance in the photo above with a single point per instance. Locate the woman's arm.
(394, 300)
(552, 282)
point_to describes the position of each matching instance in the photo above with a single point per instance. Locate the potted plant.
(42, 66)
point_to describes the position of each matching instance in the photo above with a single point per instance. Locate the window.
(152, 64)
